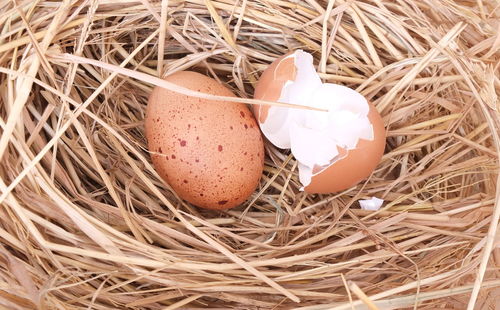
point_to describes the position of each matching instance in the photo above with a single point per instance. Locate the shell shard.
(372, 204)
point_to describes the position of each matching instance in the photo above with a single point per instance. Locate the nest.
(86, 223)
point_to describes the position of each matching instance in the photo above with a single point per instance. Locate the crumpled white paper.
(372, 204)
(315, 136)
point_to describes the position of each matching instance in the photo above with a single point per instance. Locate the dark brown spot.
(246, 126)
(185, 181)
(222, 202)
(158, 119)
(231, 127)
(197, 160)
(189, 126)
(201, 195)
(159, 150)
(197, 138)
(173, 156)
(183, 143)
(219, 148)
(245, 153)
(242, 114)
(166, 157)
(241, 169)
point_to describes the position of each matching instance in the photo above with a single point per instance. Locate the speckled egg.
(210, 152)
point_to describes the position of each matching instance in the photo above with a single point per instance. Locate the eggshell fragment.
(210, 152)
(334, 149)
(357, 164)
(372, 204)
(272, 81)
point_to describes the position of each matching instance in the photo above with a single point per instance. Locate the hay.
(86, 223)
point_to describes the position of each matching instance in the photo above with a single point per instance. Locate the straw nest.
(86, 223)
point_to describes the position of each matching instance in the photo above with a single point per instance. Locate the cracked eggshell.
(356, 165)
(346, 167)
(210, 152)
(271, 83)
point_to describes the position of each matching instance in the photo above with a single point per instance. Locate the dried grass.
(86, 223)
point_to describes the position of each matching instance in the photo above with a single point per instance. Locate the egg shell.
(271, 83)
(355, 165)
(210, 152)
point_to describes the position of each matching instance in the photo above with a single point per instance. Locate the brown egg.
(210, 152)
(353, 165)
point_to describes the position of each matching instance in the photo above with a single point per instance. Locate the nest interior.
(86, 223)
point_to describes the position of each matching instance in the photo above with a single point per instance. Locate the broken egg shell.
(372, 204)
(351, 166)
(271, 83)
(356, 165)
(210, 152)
